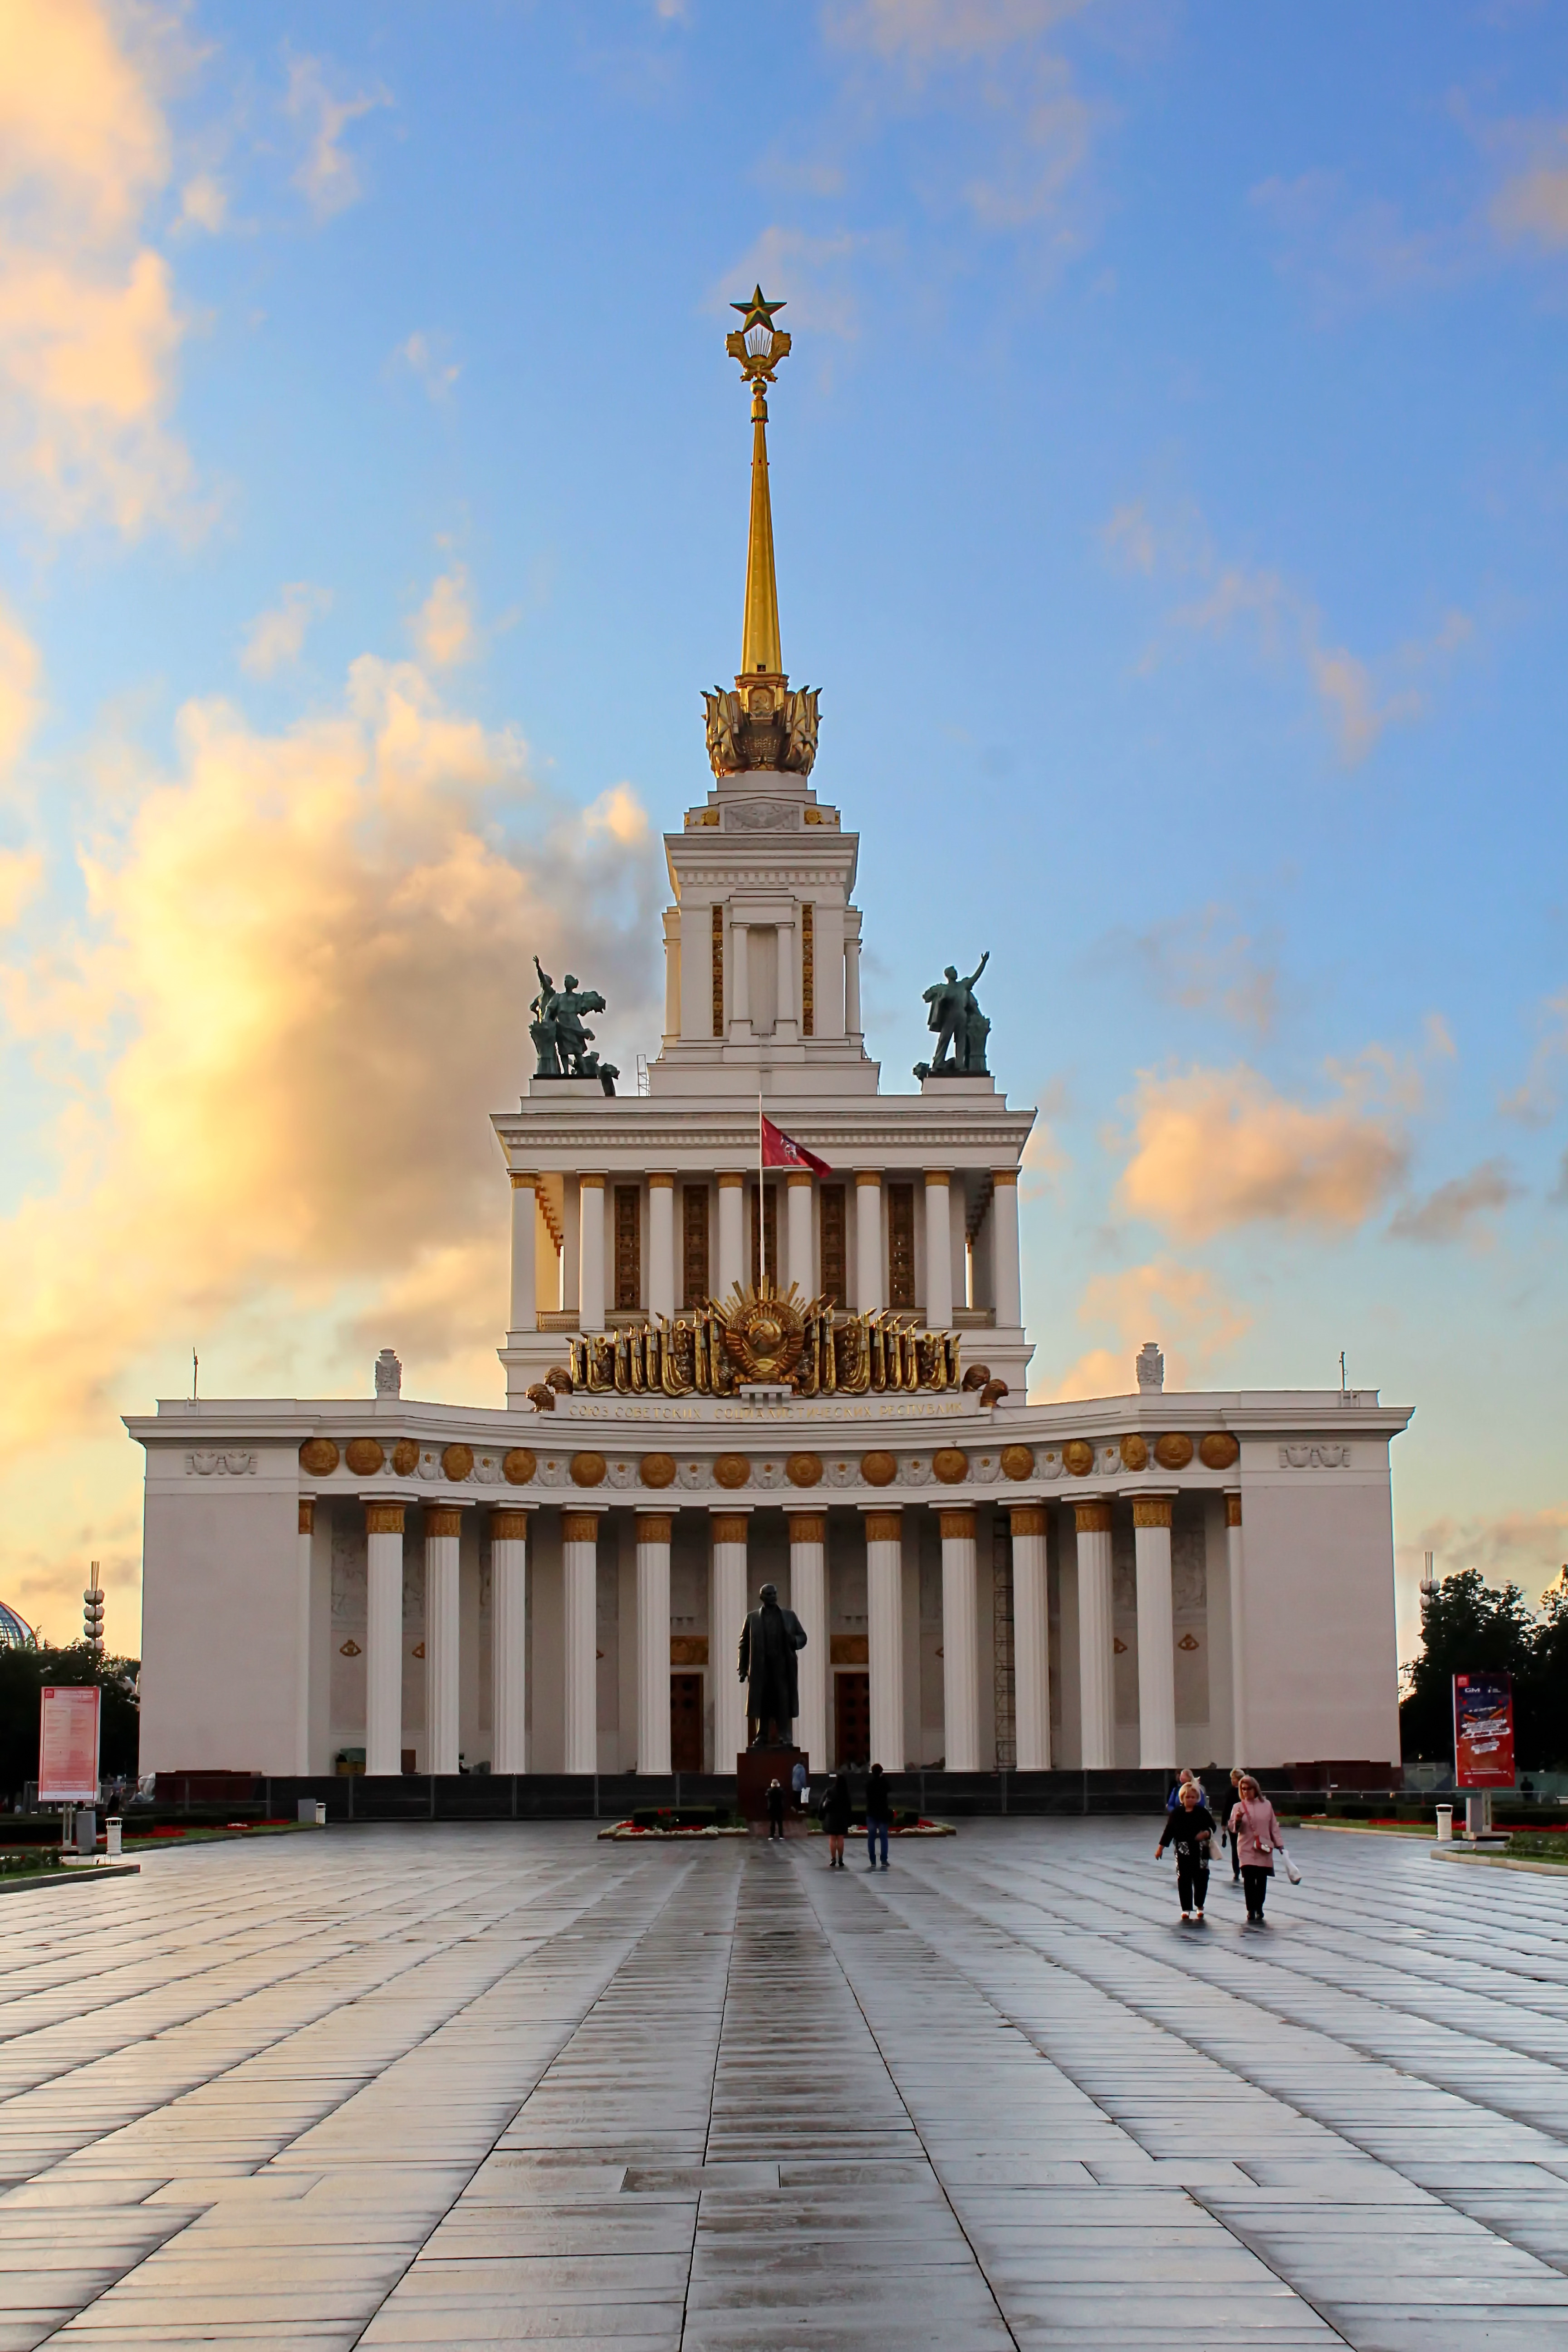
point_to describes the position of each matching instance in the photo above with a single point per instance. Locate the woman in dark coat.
(835, 1810)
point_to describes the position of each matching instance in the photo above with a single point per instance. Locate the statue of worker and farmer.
(769, 1640)
(960, 1026)
(560, 1039)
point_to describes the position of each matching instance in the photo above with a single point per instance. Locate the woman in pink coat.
(1258, 1840)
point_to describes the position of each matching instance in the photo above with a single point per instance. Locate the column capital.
(1028, 1518)
(521, 1182)
(307, 1514)
(599, 1180)
(1000, 1176)
(956, 1526)
(729, 1527)
(937, 1176)
(867, 1176)
(580, 1527)
(654, 1527)
(660, 1180)
(1233, 1510)
(511, 1526)
(806, 1527)
(1151, 1510)
(384, 1518)
(731, 1179)
(1093, 1518)
(801, 1177)
(443, 1519)
(884, 1527)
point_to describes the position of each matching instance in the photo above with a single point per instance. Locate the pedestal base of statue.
(754, 1768)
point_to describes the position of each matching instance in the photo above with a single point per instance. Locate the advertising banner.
(1483, 1731)
(67, 1745)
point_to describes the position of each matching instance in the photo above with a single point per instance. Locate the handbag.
(1291, 1872)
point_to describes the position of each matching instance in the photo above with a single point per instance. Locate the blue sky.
(1171, 494)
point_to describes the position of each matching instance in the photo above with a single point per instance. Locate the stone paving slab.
(495, 2083)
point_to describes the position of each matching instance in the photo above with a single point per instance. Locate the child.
(775, 1809)
(1189, 1829)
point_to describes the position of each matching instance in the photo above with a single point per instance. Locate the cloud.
(278, 1037)
(1360, 700)
(278, 636)
(1535, 1102)
(89, 326)
(1448, 1214)
(815, 273)
(1353, 252)
(1217, 1148)
(204, 204)
(18, 690)
(919, 31)
(425, 357)
(1182, 1305)
(329, 176)
(1524, 1548)
(444, 632)
(1532, 204)
(1203, 963)
(1045, 1160)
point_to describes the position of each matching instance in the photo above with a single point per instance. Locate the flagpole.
(761, 1204)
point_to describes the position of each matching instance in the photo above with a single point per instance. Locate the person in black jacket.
(1189, 1829)
(834, 1809)
(879, 1813)
(775, 1809)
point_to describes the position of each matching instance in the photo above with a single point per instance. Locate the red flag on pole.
(782, 1150)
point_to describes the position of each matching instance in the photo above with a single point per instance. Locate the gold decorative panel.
(628, 1245)
(833, 1259)
(808, 970)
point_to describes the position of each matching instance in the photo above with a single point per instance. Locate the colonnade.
(729, 1598)
(659, 1284)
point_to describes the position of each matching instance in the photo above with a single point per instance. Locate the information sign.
(67, 1745)
(1483, 1731)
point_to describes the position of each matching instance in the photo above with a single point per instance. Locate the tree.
(22, 1674)
(1468, 1626)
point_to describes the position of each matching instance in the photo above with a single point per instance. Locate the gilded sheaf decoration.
(762, 1334)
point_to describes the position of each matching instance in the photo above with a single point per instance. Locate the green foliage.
(22, 1674)
(1468, 1626)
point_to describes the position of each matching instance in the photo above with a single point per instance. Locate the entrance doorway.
(686, 1723)
(851, 1718)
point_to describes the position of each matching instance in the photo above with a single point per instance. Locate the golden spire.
(759, 346)
(760, 648)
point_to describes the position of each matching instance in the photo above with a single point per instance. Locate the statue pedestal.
(754, 1768)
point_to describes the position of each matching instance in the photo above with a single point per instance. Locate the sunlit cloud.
(1205, 963)
(425, 357)
(329, 174)
(1458, 1210)
(278, 636)
(90, 329)
(1181, 1307)
(1523, 1548)
(204, 204)
(1213, 1150)
(444, 632)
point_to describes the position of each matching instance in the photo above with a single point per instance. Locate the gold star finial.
(757, 343)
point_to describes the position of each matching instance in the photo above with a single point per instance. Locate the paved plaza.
(461, 2086)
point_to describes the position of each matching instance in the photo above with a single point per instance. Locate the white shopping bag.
(1291, 1872)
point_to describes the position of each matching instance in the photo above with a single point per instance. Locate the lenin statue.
(769, 1640)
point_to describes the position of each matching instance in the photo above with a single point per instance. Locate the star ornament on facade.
(757, 343)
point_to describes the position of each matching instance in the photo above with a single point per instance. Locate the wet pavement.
(489, 2085)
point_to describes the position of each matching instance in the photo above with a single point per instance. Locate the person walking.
(1230, 1834)
(878, 1815)
(1189, 1828)
(834, 1812)
(775, 1810)
(1185, 1778)
(1257, 1841)
(797, 1782)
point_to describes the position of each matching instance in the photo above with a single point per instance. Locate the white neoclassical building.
(556, 1585)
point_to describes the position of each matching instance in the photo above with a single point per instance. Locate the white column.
(524, 1215)
(580, 1577)
(509, 1641)
(653, 1641)
(1031, 1639)
(885, 1626)
(661, 1245)
(1097, 1694)
(671, 974)
(302, 1635)
(867, 1240)
(383, 1637)
(1156, 1633)
(852, 971)
(1005, 1291)
(799, 1196)
(939, 1252)
(591, 1252)
(808, 1598)
(739, 962)
(1240, 1735)
(787, 1020)
(726, 1616)
(960, 1644)
(443, 1529)
(732, 1247)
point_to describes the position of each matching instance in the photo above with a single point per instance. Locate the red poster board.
(1483, 1731)
(67, 1745)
